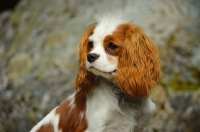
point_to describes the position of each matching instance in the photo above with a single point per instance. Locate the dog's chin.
(108, 75)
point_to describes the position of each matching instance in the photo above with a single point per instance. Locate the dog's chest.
(104, 113)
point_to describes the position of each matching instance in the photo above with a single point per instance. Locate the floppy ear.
(84, 80)
(138, 64)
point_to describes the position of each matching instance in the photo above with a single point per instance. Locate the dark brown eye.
(112, 46)
(90, 44)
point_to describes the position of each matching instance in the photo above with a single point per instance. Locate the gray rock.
(180, 113)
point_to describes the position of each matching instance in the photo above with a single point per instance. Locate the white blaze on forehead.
(106, 24)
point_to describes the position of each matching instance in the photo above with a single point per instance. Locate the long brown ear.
(138, 65)
(84, 80)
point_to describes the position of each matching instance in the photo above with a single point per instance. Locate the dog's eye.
(90, 44)
(112, 46)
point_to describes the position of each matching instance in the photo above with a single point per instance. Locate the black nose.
(92, 57)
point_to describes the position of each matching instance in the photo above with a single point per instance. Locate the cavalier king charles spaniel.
(118, 67)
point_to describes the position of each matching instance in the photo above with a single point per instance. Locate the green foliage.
(196, 73)
(177, 83)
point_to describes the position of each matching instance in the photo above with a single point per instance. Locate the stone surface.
(180, 113)
(38, 57)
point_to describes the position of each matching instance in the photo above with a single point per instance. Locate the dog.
(118, 67)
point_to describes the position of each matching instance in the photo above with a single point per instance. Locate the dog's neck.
(123, 99)
(109, 105)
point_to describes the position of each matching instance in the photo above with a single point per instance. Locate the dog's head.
(119, 51)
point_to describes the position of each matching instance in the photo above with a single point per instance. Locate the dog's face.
(120, 51)
(103, 51)
(100, 61)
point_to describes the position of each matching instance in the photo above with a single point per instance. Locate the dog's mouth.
(92, 68)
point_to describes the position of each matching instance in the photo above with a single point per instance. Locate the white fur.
(104, 114)
(107, 23)
(51, 118)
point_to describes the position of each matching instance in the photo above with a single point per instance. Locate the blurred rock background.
(38, 57)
